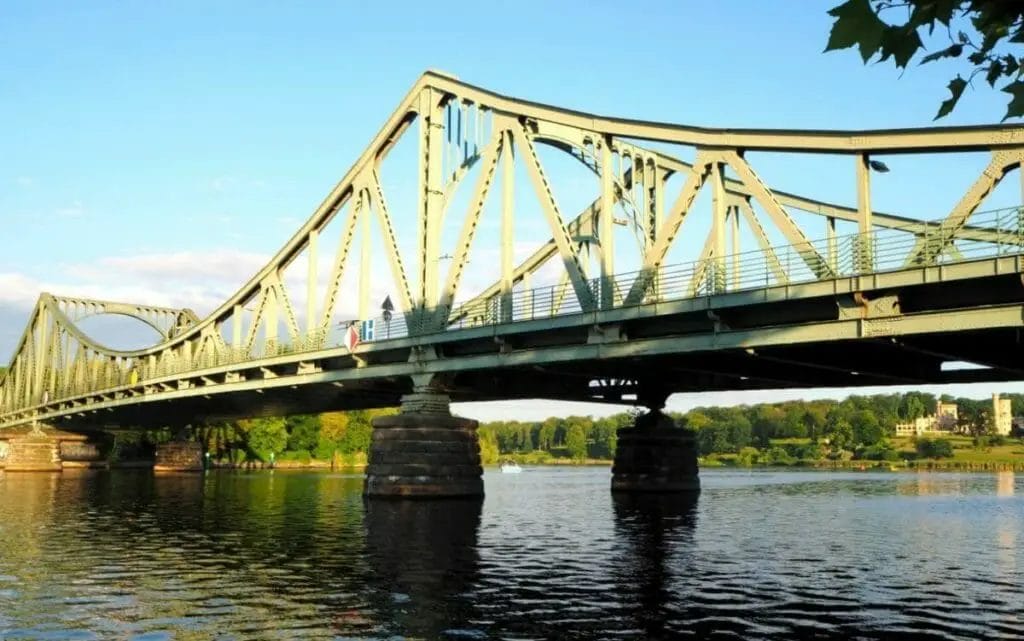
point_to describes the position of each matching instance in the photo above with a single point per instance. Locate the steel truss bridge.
(889, 304)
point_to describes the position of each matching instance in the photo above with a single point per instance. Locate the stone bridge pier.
(42, 448)
(655, 455)
(424, 451)
(179, 454)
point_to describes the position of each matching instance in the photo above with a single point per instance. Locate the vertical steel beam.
(606, 230)
(734, 213)
(311, 274)
(830, 239)
(236, 327)
(865, 261)
(431, 113)
(658, 211)
(270, 314)
(42, 350)
(364, 256)
(508, 172)
(718, 226)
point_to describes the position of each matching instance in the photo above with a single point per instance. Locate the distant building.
(946, 416)
(944, 421)
(1002, 415)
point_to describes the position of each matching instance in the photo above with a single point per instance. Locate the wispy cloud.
(25, 182)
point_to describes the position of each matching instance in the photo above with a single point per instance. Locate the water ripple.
(549, 554)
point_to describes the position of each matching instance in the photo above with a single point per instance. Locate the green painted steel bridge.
(606, 304)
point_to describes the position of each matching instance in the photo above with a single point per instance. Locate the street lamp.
(387, 307)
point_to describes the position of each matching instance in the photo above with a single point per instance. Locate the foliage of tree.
(576, 442)
(770, 433)
(303, 432)
(934, 448)
(988, 33)
(266, 436)
(974, 417)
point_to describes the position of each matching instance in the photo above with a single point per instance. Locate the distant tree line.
(342, 438)
(573, 437)
(856, 427)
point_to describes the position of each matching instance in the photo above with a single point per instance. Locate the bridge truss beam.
(460, 129)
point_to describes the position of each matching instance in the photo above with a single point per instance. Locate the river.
(549, 554)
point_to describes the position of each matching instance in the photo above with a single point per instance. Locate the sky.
(162, 152)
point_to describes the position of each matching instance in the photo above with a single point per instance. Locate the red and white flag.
(351, 338)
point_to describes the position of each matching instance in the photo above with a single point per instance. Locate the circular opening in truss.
(119, 332)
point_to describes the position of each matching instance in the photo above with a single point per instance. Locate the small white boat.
(510, 467)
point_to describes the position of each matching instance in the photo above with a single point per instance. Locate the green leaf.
(1011, 64)
(901, 43)
(952, 51)
(956, 88)
(927, 13)
(856, 24)
(1016, 107)
(995, 70)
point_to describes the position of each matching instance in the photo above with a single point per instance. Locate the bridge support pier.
(424, 451)
(179, 455)
(655, 455)
(45, 449)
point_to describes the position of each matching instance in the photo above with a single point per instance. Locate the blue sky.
(160, 151)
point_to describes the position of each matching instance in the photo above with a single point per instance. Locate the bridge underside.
(836, 334)
(854, 363)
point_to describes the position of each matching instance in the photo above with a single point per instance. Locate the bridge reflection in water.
(425, 560)
(656, 531)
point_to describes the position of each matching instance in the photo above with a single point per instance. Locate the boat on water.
(510, 467)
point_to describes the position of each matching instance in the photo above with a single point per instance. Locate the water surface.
(549, 554)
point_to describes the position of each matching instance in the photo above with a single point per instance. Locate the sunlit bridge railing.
(993, 233)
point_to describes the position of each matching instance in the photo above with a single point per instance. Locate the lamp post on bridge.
(387, 307)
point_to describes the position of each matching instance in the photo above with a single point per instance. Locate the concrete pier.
(424, 452)
(655, 456)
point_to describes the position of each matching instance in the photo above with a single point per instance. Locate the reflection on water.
(657, 531)
(423, 556)
(548, 554)
(1004, 483)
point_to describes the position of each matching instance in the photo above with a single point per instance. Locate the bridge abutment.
(424, 452)
(655, 455)
(46, 449)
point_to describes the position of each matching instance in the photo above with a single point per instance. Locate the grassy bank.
(966, 456)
